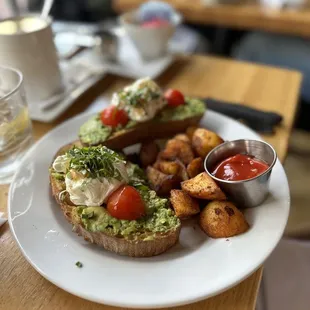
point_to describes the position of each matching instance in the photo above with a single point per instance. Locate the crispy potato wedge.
(177, 149)
(156, 164)
(190, 131)
(161, 183)
(168, 167)
(182, 137)
(221, 219)
(184, 206)
(182, 171)
(176, 168)
(204, 141)
(195, 167)
(203, 186)
(148, 153)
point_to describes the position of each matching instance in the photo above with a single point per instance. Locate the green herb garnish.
(141, 187)
(138, 97)
(136, 175)
(58, 176)
(96, 161)
(79, 264)
(155, 95)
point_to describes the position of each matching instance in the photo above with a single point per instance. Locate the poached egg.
(151, 101)
(85, 191)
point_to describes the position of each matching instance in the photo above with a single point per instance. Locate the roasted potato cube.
(204, 141)
(190, 131)
(184, 206)
(168, 167)
(148, 153)
(156, 164)
(176, 168)
(195, 167)
(182, 171)
(221, 219)
(182, 137)
(177, 149)
(203, 186)
(161, 183)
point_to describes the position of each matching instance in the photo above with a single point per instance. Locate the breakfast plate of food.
(152, 202)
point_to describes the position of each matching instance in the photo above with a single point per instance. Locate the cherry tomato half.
(112, 116)
(126, 204)
(174, 97)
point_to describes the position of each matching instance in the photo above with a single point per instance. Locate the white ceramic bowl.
(151, 43)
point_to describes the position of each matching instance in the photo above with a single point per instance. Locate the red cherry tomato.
(126, 204)
(174, 97)
(113, 117)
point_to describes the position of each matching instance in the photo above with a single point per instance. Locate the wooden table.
(257, 86)
(246, 15)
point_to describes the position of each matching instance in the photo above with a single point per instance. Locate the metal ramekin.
(245, 193)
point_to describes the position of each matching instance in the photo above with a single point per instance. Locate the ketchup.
(239, 167)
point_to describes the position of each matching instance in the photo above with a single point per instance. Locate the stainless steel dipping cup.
(245, 193)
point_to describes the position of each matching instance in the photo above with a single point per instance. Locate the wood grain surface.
(256, 86)
(244, 14)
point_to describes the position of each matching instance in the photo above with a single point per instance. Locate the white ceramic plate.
(197, 268)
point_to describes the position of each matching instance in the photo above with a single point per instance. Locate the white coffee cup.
(27, 44)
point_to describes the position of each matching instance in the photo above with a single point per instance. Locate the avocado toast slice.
(150, 235)
(139, 112)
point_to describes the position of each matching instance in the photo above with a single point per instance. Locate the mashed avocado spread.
(159, 217)
(191, 108)
(94, 132)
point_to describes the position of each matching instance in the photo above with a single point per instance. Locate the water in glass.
(15, 125)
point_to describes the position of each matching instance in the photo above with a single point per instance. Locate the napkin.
(262, 121)
(2, 219)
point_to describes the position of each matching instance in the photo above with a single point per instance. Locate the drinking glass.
(15, 125)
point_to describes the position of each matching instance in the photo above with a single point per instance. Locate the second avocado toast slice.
(138, 112)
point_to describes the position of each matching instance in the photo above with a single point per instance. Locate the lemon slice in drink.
(13, 130)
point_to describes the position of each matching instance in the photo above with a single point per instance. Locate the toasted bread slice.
(139, 247)
(143, 132)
